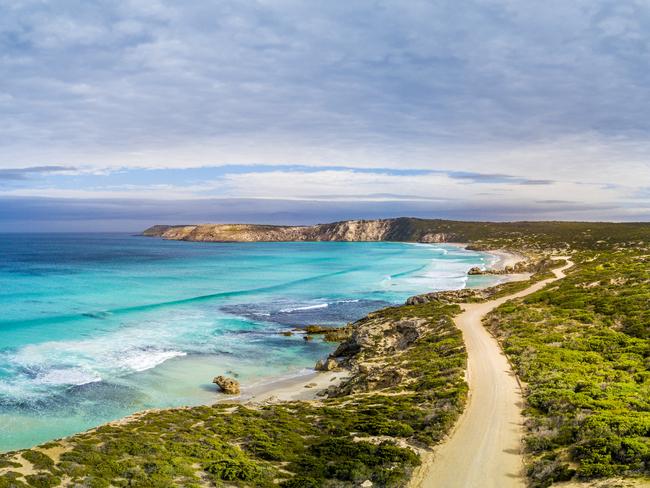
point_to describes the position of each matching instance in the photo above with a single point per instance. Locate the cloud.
(418, 83)
(303, 183)
(494, 178)
(522, 104)
(25, 173)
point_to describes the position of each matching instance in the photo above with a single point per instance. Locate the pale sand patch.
(607, 483)
(304, 388)
(516, 277)
(26, 468)
(484, 448)
(55, 452)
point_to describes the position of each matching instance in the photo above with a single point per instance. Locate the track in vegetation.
(485, 447)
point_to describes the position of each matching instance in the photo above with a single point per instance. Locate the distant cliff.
(481, 235)
(349, 230)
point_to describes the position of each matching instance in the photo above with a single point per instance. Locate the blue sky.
(298, 112)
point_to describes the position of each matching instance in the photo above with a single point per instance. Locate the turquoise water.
(94, 327)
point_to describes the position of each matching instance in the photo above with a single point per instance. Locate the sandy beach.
(505, 258)
(303, 388)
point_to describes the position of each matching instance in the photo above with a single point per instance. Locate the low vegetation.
(582, 348)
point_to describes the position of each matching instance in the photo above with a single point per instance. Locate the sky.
(119, 115)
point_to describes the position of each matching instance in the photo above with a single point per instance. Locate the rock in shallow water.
(228, 386)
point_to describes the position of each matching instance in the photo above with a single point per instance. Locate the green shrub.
(39, 460)
(234, 470)
(42, 480)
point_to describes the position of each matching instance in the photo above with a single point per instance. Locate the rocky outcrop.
(384, 337)
(329, 334)
(453, 296)
(351, 230)
(437, 237)
(229, 386)
(519, 267)
(364, 353)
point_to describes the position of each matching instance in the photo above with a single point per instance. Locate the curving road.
(484, 449)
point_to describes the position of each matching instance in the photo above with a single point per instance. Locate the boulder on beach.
(229, 386)
(328, 364)
(475, 271)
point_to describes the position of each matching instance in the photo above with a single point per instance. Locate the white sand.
(305, 387)
(505, 258)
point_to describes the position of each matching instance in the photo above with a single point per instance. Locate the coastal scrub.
(582, 347)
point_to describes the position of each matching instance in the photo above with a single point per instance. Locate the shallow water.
(94, 327)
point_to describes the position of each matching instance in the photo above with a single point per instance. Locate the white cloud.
(551, 90)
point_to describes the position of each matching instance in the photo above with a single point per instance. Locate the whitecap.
(142, 360)
(67, 376)
(306, 307)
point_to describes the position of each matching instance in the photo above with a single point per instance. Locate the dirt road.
(484, 449)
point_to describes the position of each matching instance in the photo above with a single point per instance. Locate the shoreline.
(307, 386)
(505, 258)
(502, 257)
(301, 387)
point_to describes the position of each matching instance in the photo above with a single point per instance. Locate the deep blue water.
(97, 326)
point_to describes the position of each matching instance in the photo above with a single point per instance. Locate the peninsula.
(516, 235)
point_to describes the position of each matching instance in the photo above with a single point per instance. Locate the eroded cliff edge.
(401, 229)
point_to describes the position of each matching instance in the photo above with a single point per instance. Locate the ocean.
(94, 327)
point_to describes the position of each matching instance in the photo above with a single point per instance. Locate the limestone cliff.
(350, 230)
